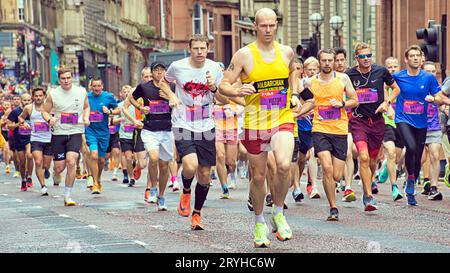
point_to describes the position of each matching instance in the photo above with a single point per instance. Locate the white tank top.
(68, 110)
(39, 128)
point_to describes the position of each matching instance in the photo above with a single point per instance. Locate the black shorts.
(202, 144)
(306, 143)
(20, 143)
(5, 135)
(113, 142)
(46, 148)
(62, 144)
(392, 134)
(296, 150)
(138, 143)
(335, 144)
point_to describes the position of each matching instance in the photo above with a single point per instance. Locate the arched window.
(197, 19)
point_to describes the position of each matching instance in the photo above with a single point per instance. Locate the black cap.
(156, 64)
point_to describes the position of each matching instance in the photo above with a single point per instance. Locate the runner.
(417, 90)
(102, 105)
(17, 103)
(156, 135)
(330, 123)
(40, 137)
(70, 107)
(21, 142)
(6, 105)
(269, 89)
(367, 124)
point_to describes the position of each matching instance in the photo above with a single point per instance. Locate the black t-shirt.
(160, 116)
(370, 89)
(14, 117)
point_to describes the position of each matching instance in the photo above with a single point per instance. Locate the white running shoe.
(44, 191)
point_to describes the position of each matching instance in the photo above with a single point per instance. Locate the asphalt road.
(118, 220)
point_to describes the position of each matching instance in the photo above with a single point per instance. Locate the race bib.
(159, 107)
(367, 95)
(24, 131)
(41, 127)
(413, 107)
(69, 118)
(329, 113)
(128, 128)
(195, 113)
(273, 93)
(432, 109)
(112, 129)
(96, 116)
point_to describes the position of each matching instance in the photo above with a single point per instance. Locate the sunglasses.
(363, 56)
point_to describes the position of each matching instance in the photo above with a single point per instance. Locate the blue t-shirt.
(99, 120)
(411, 105)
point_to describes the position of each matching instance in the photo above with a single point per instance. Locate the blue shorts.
(98, 143)
(306, 143)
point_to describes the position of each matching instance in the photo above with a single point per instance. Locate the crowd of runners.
(269, 118)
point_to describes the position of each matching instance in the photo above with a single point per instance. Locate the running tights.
(414, 140)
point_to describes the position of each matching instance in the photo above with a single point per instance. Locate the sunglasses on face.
(363, 56)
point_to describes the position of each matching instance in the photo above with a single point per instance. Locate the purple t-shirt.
(433, 117)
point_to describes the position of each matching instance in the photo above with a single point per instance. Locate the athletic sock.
(260, 219)
(68, 192)
(186, 182)
(201, 192)
(277, 210)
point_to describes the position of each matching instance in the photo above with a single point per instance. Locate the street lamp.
(337, 24)
(316, 21)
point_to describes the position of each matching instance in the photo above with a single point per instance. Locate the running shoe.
(46, 174)
(16, 174)
(78, 173)
(176, 186)
(85, 175)
(225, 195)
(7, 169)
(260, 234)
(146, 195)
(24, 187)
(153, 196)
(184, 206)
(213, 175)
(137, 173)
(309, 188)
(161, 204)
(298, 195)
(125, 180)
(374, 188)
(338, 186)
(250, 204)
(369, 203)
(114, 177)
(232, 184)
(29, 182)
(68, 202)
(384, 175)
(56, 179)
(269, 200)
(396, 195)
(280, 227)
(411, 199)
(447, 175)
(44, 191)
(132, 182)
(435, 195)
(314, 194)
(89, 181)
(95, 189)
(334, 215)
(426, 188)
(196, 222)
(349, 196)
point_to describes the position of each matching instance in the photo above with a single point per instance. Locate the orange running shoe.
(137, 173)
(196, 222)
(184, 207)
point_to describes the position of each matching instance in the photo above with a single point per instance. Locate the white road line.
(64, 215)
(93, 226)
(140, 243)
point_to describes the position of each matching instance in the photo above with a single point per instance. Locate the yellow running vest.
(327, 119)
(269, 107)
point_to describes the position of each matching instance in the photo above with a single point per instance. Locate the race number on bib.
(112, 129)
(413, 107)
(367, 95)
(96, 116)
(41, 127)
(24, 131)
(273, 93)
(69, 118)
(329, 113)
(128, 128)
(159, 107)
(195, 113)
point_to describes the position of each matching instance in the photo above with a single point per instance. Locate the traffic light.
(431, 36)
(308, 47)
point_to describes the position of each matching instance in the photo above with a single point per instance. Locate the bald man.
(270, 92)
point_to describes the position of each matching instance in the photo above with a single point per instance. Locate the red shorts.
(258, 141)
(228, 137)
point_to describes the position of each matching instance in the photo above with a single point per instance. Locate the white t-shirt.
(195, 112)
(126, 127)
(68, 107)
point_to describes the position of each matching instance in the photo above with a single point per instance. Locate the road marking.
(4, 194)
(18, 200)
(64, 215)
(157, 227)
(93, 226)
(139, 243)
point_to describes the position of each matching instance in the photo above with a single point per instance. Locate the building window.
(197, 20)
(210, 25)
(226, 22)
(21, 10)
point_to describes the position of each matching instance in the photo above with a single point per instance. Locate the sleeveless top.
(40, 131)
(269, 107)
(327, 119)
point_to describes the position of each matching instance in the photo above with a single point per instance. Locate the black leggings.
(414, 140)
